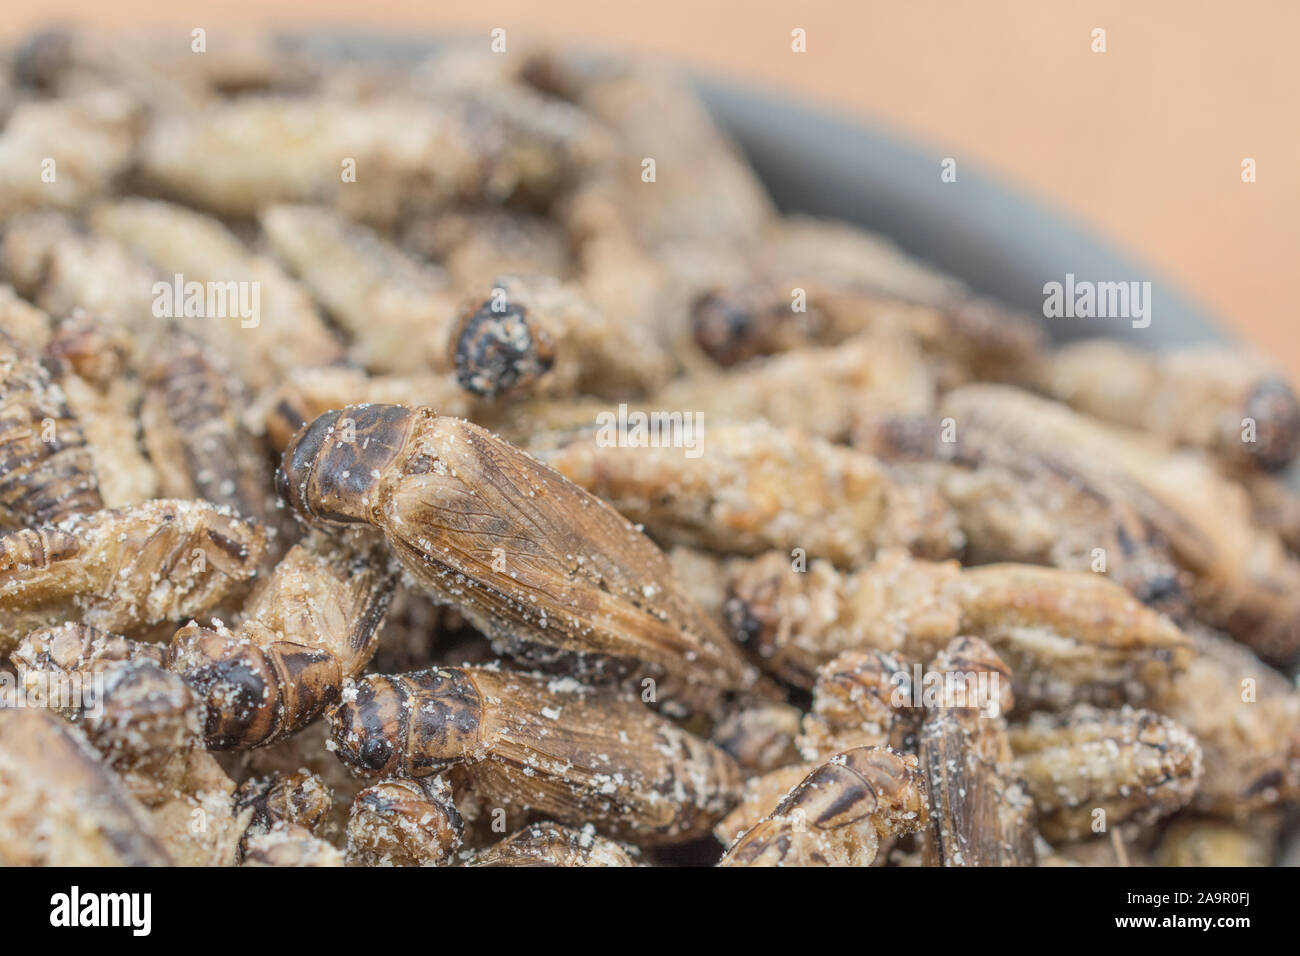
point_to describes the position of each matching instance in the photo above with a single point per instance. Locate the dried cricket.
(46, 469)
(399, 312)
(1068, 635)
(533, 150)
(301, 799)
(1235, 407)
(839, 814)
(145, 724)
(1089, 768)
(748, 488)
(404, 823)
(1017, 504)
(526, 556)
(549, 844)
(312, 624)
(980, 812)
(769, 315)
(74, 649)
(535, 334)
(252, 313)
(860, 700)
(1236, 575)
(52, 261)
(63, 153)
(821, 393)
(550, 746)
(125, 570)
(288, 844)
(59, 804)
(760, 737)
(1246, 717)
(192, 428)
(489, 238)
(306, 751)
(90, 357)
(440, 157)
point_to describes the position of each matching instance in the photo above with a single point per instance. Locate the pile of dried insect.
(466, 465)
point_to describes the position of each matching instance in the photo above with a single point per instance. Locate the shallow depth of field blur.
(1144, 142)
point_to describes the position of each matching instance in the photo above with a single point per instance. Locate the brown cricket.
(532, 744)
(536, 563)
(46, 470)
(839, 814)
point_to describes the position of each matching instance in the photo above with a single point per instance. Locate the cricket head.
(332, 466)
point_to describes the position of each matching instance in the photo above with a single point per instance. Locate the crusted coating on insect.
(289, 844)
(59, 804)
(748, 488)
(191, 423)
(839, 814)
(312, 623)
(1066, 634)
(980, 811)
(297, 798)
(861, 699)
(48, 653)
(46, 469)
(404, 823)
(126, 570)
(571, 753)
(551, 844)
(1132, 765)
(145, 723)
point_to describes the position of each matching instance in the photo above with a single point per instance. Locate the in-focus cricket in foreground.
(867, 572)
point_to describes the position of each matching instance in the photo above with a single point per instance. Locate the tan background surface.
(1143, 142)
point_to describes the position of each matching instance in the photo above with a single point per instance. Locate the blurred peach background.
(1144, 142)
